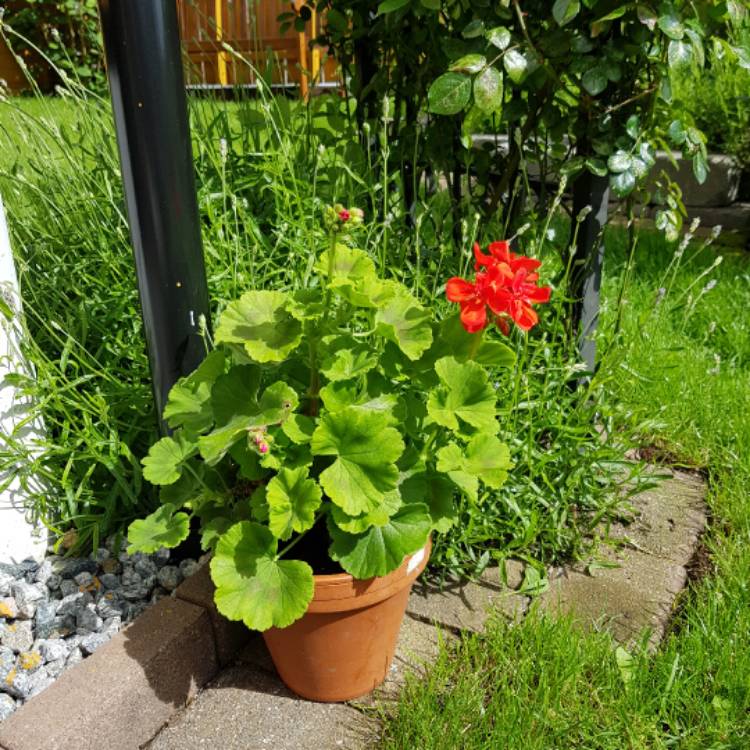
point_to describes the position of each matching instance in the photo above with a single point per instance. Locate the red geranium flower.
(506, 283)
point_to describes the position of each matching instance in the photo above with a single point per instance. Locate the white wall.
(19, 539)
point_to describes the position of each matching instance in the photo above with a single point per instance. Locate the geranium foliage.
(345, 407)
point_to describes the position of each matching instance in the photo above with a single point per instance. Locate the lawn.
(683, 363)
(675, 373)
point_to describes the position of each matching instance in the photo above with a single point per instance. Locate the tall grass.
(265, 168)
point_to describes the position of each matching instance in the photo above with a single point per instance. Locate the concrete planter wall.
(720, 188)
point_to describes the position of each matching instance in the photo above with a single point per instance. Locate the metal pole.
(144, 67)
(586, 278)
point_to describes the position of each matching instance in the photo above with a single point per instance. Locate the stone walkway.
(247, 707)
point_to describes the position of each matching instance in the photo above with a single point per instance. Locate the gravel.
(55, 614)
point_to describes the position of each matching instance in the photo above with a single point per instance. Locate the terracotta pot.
(342, 646)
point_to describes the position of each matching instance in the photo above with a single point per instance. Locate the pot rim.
(335, 592)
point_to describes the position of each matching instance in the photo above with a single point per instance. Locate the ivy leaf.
(252, 585)
(564, 11)
(484, 457)
(292, 499)
(274, 406)
(377, 517)
(464, 393)
(406, 323)
(189, 401)
(163, 528)
(449, 94)
(366, 450)
(515, 64)
(595, 80)
(381, 549)
(679, 55)
(165, 459)
(499, 37)
(488, 90)
(261, 323)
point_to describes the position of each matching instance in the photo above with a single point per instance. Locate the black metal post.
(586, 276)
(144, 67)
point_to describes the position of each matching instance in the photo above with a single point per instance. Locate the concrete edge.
(181, 639)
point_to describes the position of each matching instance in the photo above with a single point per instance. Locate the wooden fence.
(250, 29)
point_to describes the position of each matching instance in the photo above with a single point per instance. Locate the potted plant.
(321, 442)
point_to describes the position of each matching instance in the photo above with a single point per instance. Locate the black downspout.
(586, 273)
(144, 68)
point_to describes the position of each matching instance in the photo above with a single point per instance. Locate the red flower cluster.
(506, 283)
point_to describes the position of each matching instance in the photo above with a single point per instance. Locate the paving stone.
(250, 709)
(467, 605)
(120, 696)
(230, 637)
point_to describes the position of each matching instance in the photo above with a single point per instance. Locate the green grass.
(265, 168)
(685, 364)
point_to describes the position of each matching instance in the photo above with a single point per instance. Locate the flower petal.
(459, 290)
(481, 258)
(473, 316)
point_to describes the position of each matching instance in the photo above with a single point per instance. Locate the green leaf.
(235, 393)
(700, 168)
(165, 459)
(261, 323)
(211, 531)
(679, 55)
(485, 458)
(349, 358)
(464, 394)
(362, 522)
(388, 6)
(449, 94)
(163, 528)
(499, 37)
(366, 450)
(626, 664)
(564, 11)
(252, 585)
(292, 499)
(437, 492)
(381, 549)
(633, 126)
(677, 132)
(472, 63)
(277, 402)
(596, 166)
(623, 184)
(189, 401)
(453, 340)
(619, 162)
(515, 64)
(473, 29)
(298, 428)
(488, 90)
(595, 80)
(341, 395)
(671, 25)
(406, 323)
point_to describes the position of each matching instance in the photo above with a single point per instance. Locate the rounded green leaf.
(260, 322)
(671, 25)
(449, 94)
(499, 37)
(388, 6)
(377, 517)
(564, 11)
(366, 450)
(622, 184)
(619, 162)
(189, 401)
(465, 393)
(165, 459)
(163, 528)
(595, 80)
(381, 549)
(484, 458)
(471, 63)
(679, 54)
(406, 323)
(292, 499)
(488, 90)
(252, 585)
(515, 64)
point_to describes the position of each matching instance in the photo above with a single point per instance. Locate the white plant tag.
(417, 558)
